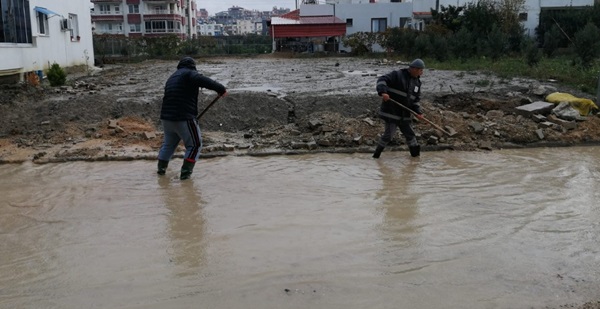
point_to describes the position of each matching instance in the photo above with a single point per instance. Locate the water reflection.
(506, 229)
(400, 205)
(186, 226)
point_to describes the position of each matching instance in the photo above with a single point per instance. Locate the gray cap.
(417, 63)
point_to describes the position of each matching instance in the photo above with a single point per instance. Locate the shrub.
(533, 55)
(56, 75)
(552, 40)
(587, 44)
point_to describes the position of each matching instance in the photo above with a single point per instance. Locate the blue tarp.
(45, 11)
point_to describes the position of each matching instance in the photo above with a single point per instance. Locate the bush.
(587, 44)
(552, 40)
(361, 42)
(56, 75)
(533, 55)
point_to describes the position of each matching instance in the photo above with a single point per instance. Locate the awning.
(45, 11)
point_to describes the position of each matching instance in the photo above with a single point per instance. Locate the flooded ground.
(503, 229)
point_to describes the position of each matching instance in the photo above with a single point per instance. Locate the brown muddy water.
(503, 229)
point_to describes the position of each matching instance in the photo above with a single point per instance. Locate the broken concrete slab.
(538, 107)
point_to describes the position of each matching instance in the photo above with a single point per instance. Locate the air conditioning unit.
(64, 24)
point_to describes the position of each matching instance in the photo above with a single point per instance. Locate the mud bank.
(275, 106)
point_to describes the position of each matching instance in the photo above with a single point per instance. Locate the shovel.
(209, 105)
(421, 117)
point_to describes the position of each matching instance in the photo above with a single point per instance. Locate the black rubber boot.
(162, 167)
(186, 169)
(377, 152)
(415, 151)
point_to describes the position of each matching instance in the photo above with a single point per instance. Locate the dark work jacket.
(180, 101)
(402, 88)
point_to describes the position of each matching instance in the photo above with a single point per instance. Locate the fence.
(113, 46)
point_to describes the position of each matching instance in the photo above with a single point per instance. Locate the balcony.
(160, 1)
(107, 17)
(162, 15)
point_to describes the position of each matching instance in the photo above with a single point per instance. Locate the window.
(135, 27)
(160, 9)
(42, 20)
(15, 21)
(378, 24)
(349, 22)
(104, 9)
(522, 16)
(404, 22)
(117, 9)
(162, 26)
(74, 29)
(134, 9)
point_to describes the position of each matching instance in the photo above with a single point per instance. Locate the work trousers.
(187, 131)
(405, 128)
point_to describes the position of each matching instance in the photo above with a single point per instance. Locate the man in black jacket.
(404, 87)
(178, 115)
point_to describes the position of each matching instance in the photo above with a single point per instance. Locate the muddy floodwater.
(502, 229)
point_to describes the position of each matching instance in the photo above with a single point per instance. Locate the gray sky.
(215, 6)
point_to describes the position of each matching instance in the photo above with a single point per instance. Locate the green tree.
(56, 75)
(587, 44)
(361, 42)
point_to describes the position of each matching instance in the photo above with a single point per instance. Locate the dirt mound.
(274, 105)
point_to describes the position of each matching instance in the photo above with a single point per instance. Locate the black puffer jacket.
(180, 101)
(402, 88)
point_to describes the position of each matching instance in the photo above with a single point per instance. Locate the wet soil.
(275, 105)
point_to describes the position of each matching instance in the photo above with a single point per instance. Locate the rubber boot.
(377, 152)
(186, 169)
(415, 151)
(162, 167)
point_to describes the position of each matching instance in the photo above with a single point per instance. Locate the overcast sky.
(215, 6)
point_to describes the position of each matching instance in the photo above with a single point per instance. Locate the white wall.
(361, 15)
(531, 7)
(56, 46)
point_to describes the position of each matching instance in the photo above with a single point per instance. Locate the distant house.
(151, 18)
(210, 29)
(35, 34)
(529, 14)
(310, 28)
(376, 16)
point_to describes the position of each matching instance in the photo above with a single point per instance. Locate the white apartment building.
(530, 12)
(145, 17)
(210, 29)
(246, 26)
(35, 34)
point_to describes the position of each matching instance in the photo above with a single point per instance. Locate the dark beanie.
(417, 63)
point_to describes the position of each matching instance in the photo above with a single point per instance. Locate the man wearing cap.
(404, 87)
(178, 115)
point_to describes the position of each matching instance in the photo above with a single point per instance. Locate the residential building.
(311, 28)
(202, 14)
(529, 13)
(210, 29)
(368, 17)
(35, 34)
(246, 26)
(150, 18)
(375, 16)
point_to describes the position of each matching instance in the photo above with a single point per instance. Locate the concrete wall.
(57, 46)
